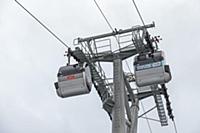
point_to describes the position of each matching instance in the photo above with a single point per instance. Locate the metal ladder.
(98, 79)
(159, 104)
(161, 110)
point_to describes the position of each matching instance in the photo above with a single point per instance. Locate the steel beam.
(123, 53)
(129, 89)
(114, 33)
(134, 116)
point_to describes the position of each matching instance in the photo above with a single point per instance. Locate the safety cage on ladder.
(73, 80)
(150, 69)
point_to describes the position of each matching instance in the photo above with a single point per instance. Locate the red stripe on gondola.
(71, 77)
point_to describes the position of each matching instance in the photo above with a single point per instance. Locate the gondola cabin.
(73, 80)
(150, 69)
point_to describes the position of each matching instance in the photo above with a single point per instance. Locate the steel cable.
(148, 123)
(175, 127)
(42, 24)
(102, 13)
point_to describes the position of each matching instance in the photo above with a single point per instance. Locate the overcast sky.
(30, 58)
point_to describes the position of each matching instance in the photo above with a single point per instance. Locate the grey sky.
(30, 58)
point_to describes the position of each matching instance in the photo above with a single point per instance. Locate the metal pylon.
(118, 121)
(118, 112)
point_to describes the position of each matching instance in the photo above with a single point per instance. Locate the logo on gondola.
(71, 77)
(148, 66)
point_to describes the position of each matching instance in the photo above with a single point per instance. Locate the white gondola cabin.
(73, 80)
(150, 69)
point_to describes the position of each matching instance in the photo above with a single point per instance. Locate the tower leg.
(134, 116)
(118, 121)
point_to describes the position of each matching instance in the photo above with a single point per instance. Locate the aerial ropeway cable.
(102, 13)
(42, 24)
